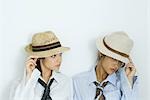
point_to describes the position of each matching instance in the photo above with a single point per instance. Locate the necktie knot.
(46, 95)
(99, 90)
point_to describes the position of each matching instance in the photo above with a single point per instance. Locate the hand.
(130, 71)
(30, 65)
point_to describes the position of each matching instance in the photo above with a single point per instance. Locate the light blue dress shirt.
(118, 87)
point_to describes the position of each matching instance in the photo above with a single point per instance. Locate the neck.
(46, 73)
(100, 72)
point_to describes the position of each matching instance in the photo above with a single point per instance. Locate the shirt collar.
(92, 76)
(56, 75)
(111, 78)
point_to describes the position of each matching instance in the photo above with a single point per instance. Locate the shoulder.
(62, 77)
(81, 76)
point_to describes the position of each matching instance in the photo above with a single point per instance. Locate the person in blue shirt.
(113, 77)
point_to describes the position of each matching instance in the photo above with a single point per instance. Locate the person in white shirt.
(113, 77)
(42, 79)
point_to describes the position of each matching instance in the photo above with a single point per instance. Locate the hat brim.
(101, 47)
(46, 53)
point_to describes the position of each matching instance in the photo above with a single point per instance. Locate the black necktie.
(99, 89)
(46, 95)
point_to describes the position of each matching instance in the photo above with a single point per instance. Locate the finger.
(30, 66)
(127, 70)
(131, 67)
(32, 57)
(132, 73)
(31, 61)
(35, 59)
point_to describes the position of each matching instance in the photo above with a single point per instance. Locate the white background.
(77, 23)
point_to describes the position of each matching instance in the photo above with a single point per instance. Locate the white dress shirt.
(31, 89)
(118, 87)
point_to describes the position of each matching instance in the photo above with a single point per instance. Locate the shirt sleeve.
(128, 92)
(23, 90)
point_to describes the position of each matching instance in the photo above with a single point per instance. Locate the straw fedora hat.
(45, 44)
(117, 45)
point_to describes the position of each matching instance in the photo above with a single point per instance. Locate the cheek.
(48, 62)
(53, 63)
(107, 66)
